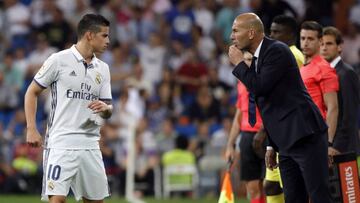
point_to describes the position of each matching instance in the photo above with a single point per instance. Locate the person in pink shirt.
(320, 79)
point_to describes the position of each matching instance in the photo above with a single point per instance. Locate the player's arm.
(33, 137)
(273, 68)
(331, 102)
(329, 84)
(103, 107)
(234, 132)
(107, 112)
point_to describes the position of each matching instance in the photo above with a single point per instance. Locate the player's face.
(329, 49)
(310, 43)
(240, 36)
(278, 32)
(100, 40)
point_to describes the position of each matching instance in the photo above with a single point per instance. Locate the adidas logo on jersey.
(72, 73)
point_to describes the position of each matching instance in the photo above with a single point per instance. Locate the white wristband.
(269, 148)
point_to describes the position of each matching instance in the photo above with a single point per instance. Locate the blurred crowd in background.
(169, 70)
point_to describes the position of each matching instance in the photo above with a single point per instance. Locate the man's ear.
(89, 35)
(251, 34)
(340, 48)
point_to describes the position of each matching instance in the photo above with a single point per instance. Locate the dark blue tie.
(252, 109)
(252, 104)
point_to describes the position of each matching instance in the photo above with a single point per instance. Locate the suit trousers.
(304, 170)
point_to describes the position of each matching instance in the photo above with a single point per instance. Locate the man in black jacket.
(294, 124)
(346, 136)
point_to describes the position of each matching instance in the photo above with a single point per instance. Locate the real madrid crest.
(42, 70)
(98, 78)
(51, 185)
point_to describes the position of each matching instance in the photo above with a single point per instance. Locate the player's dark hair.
(330, 30)
(92, 23)
(288, 22)
(312, 25)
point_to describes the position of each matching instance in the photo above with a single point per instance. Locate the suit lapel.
(267, 41)
(339, 65)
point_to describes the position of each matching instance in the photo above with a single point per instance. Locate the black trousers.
(304, 170)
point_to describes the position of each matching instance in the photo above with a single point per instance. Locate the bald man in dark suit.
(294, 124)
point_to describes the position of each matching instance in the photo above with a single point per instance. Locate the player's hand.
(270, 159)
(230, 154)
(235, 55)
(258, 143)
(33, 137)
(332, 152)
(98, 106)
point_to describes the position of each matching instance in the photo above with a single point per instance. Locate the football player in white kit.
(80, 100)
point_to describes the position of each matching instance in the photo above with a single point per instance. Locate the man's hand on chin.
(236, 56)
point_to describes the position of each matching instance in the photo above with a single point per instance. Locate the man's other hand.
(258, 143)
(270, 159)
(33, 137)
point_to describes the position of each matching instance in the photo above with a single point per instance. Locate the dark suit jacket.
(288, 112)
(346, 136)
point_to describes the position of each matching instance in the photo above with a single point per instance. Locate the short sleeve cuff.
(41, 85)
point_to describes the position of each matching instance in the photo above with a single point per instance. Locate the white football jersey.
(74, 84)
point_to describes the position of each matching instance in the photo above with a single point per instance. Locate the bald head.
(250, 21)
(247, 32)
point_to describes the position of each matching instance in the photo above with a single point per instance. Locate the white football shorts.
(82, 170)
